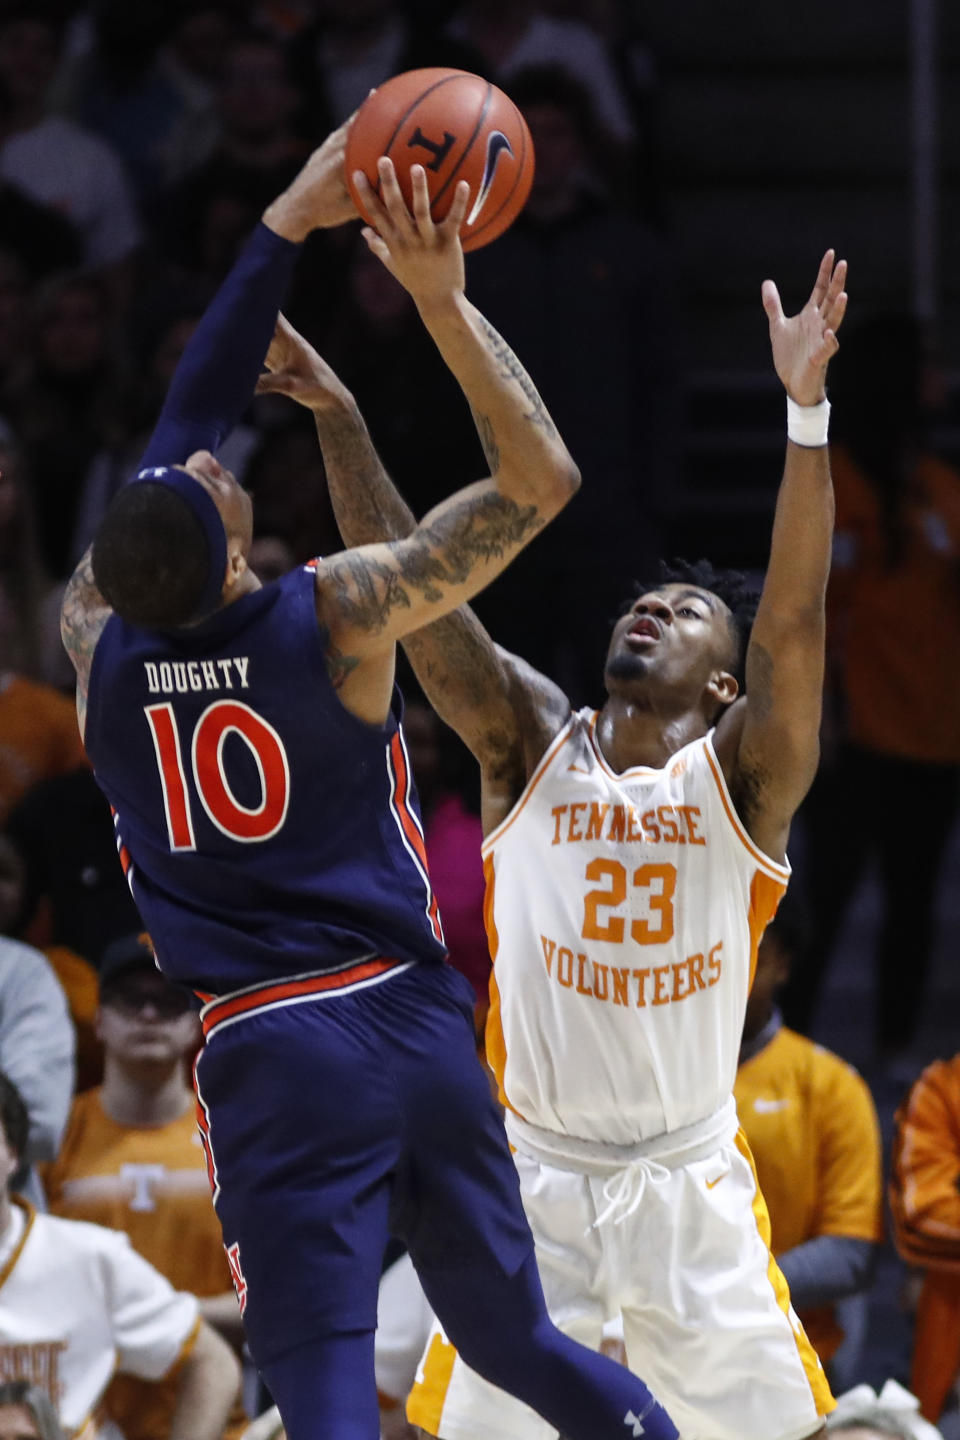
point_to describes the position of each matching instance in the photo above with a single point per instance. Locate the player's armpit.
(83, 614)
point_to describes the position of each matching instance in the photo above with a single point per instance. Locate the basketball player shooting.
(633, 857)
(249, 742)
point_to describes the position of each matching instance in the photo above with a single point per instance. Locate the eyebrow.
(698, 595)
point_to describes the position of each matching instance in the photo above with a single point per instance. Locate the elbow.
(562, 484)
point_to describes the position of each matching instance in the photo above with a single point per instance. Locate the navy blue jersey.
(265, 830)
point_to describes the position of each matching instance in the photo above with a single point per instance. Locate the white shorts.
(682, 1254)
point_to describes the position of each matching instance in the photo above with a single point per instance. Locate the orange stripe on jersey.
(411, 828)
(765, 895)
(734, 818)
(429, 1394)
(291, 990)
(495, 1044)
(532, 784)
(816, 1379)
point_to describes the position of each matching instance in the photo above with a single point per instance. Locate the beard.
(627, 666)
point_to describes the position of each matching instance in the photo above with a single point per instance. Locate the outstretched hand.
(295, 369)
(424, 254)
(317, 198)
(804, 344)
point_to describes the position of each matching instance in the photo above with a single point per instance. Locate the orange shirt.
(894, 634)
(152, 1184)
(39, 737)
(925, 1204)
(812, 1127)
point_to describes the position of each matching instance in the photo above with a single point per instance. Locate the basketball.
(458, 127)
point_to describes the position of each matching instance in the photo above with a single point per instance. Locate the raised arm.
(217, 373)
(503, 710)
(769, 745)
(371, 597)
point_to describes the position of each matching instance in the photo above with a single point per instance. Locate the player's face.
(145, 1020)
(16, 1423)
(232, 501)
(678, 636)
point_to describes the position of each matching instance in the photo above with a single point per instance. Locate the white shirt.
(61, 165)
(76, 1304)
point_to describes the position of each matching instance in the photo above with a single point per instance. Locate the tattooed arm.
(371, 597)
(768, 745)
(83, 614)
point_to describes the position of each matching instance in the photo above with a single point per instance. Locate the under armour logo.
(634, 1420)
(237, 1276)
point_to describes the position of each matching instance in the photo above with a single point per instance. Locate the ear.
(236, 563)
(722, 688)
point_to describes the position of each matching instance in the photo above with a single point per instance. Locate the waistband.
(223, 1010)
(594, 1157)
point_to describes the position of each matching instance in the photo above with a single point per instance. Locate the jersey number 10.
(222, 718)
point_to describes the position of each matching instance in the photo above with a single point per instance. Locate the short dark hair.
(740, 595)
(150, 557)
(13, 1117)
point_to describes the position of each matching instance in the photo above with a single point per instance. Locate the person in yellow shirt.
(132, 1159)
(813, 1131)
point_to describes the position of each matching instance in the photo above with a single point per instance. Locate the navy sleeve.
(213, 383)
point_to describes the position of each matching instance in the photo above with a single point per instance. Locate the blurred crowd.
(138, 146)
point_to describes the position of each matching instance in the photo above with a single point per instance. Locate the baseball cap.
(130, 952)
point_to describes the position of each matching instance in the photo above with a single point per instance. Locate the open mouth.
(644, 631)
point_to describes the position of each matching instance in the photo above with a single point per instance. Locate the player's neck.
(144, 1096)
(630, 734)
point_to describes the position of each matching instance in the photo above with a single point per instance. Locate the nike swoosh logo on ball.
(497, 145)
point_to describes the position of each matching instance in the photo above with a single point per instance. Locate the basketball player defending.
(633, 858)
(249, 742)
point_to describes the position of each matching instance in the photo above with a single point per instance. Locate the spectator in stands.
(79, 1303)
(22, 576)
(193, 60)
(36, 1054)
(512, 35)
(354, 45)
(893, 622)
(269, 557)
(38, 729)
(131, 1159)
(27, 1413)
(258, 150)
(895, 1413)
(925, 1203)
(585, 291)
(50, 157)
(813, 1131)
(70, 404)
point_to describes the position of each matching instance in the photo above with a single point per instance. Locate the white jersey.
(76, 1304)
(623, 914)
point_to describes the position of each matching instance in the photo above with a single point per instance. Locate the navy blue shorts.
(331, 1123)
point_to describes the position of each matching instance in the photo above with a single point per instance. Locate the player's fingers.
(834, 312)
(421, 203)
(372, 204)
(770, 296)
(457, 212)
(837, 284)
(822, 282)
(393, 199)
(273, 384)
(377, 244)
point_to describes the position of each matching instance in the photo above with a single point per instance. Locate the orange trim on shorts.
(429, 1394)
(813, 1369)
(735, 820)
(236, 1005)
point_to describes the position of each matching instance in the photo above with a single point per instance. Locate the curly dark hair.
(737, 592)
(150, 557)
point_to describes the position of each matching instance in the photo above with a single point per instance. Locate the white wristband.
(807, 424)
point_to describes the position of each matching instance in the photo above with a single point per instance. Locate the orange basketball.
(458, 127)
